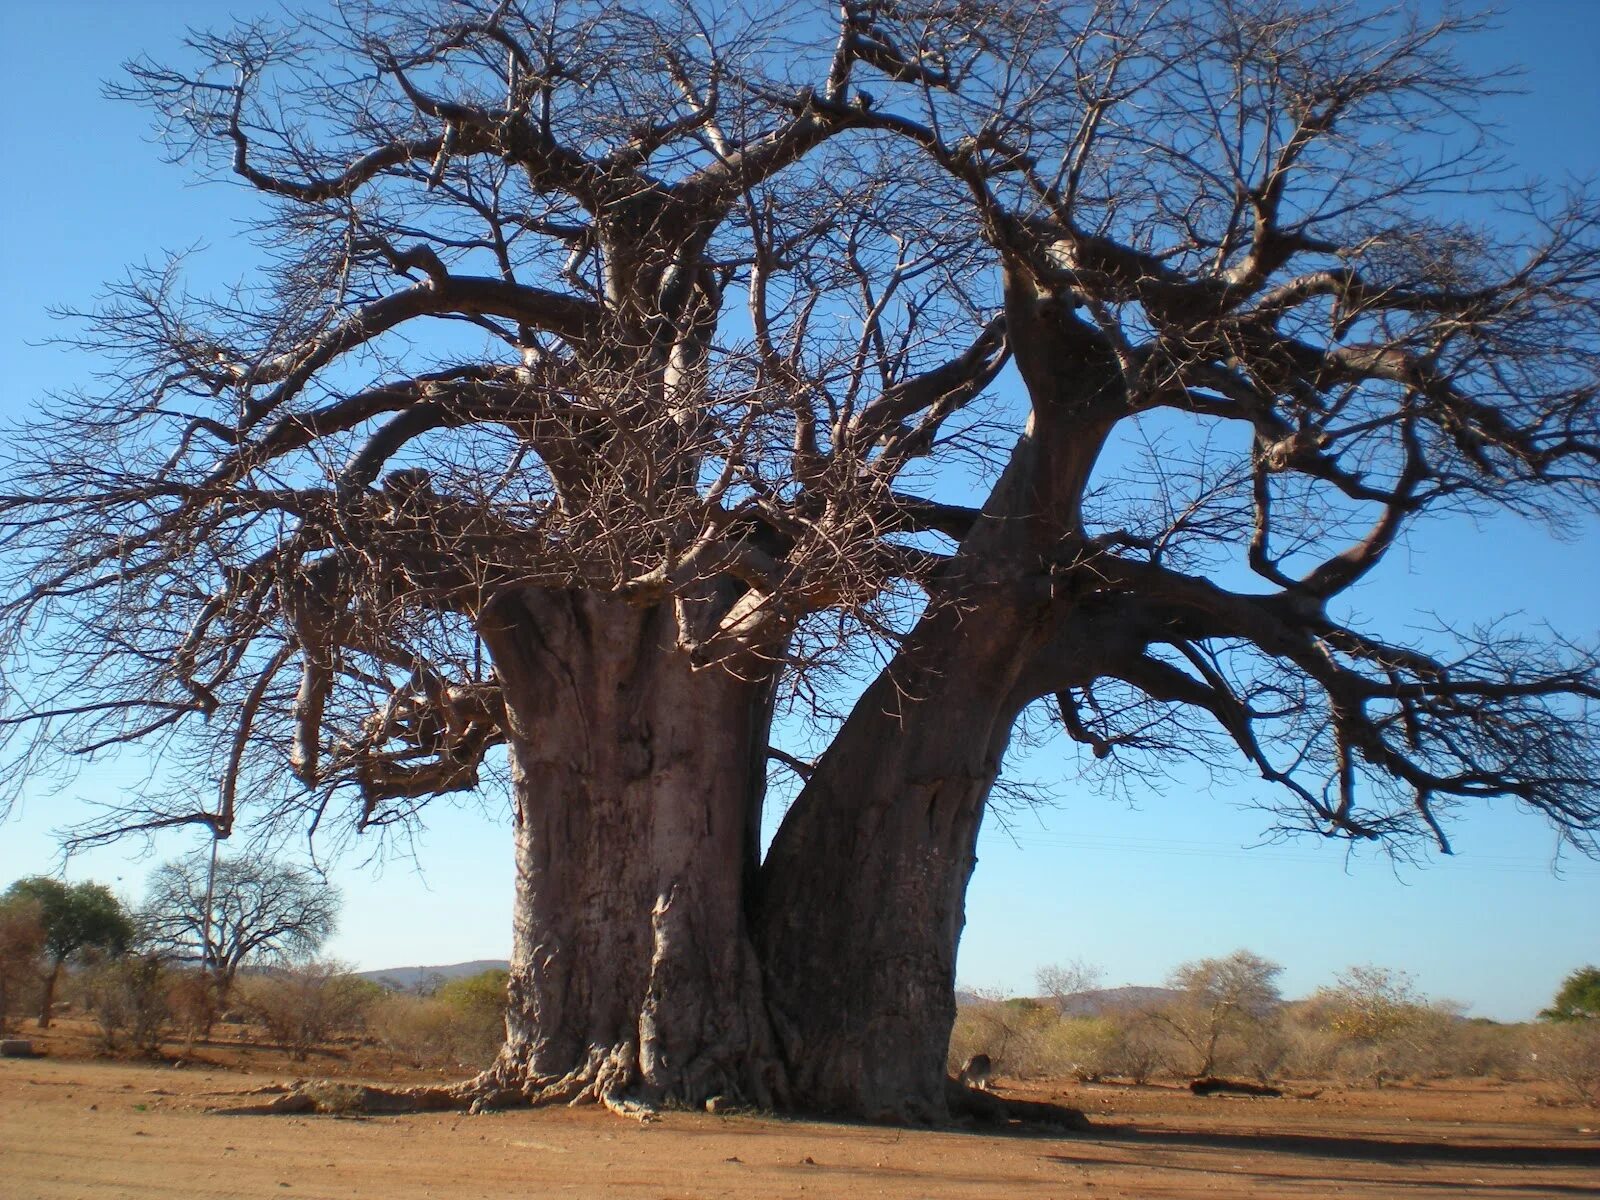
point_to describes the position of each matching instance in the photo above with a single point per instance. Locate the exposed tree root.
(1211, 1085)
(970, 1102)
(488, 1092)
(598, 1081)
(346, 1099)
(606, 1077)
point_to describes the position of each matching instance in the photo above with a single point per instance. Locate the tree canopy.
(252, 907)
(603, 392)
(76, 918)
(1578, 997)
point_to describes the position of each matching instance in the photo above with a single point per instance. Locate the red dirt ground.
(79, 1127)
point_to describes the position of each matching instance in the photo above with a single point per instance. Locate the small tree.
(1578, 999)
(259, 909)
(1380, 1024)
(1220, 996)
(1062, 981)
(21, 944)
(77, 917)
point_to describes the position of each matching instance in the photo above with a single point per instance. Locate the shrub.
(22, 940)
(459, 1023)
(419, 1030)
(1010, 1032)
(1087, 1047)
(483, 994)
(1568, 1055)
(304, 1005)
(192, 995)
(128, 995)
(1142, 1046)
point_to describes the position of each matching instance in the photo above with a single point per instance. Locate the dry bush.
(418, 1030)
(1567, 1053)
(1019, 1036)
(192, 996)
(1263, 1053)
(1483, 1049)
(1180, 1042)
(1142, 1046)
(1027, 1039)
(22, 938)
(434, 1031)
(980, 1028)
(128, 996)
(304, 1005)
(1373, 1026)
(1047, 1047)
(1088, 1047)
(1370, 1027)
(459, 1023)
(478, 1003)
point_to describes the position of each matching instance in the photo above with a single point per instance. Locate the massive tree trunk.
(863, 893)
(652, 962)
(638, 785)
(864, 887)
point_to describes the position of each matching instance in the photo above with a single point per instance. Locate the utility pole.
(205, 916)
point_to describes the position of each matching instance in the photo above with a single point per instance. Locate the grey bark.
(864, 889)
(637, 783)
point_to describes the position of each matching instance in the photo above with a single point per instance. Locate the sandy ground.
(82, 1128)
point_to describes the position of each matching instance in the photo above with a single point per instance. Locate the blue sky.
(1135, 887)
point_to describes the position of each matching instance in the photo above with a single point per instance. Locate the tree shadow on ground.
(1371, 1149)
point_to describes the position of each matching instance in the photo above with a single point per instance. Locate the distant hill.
(1081, 1004)
(1118, 999)
(1093, 1003)
(404, 978)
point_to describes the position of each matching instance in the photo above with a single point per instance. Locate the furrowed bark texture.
(863, 896)
(864, 887)
(633, 979)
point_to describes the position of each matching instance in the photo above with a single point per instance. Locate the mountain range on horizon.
(1083, 1004)
(405, 978)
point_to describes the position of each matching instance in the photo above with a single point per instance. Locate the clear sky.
(1135, 888)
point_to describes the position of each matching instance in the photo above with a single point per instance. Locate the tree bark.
(863, 893)
(637, 784)
(864, 888)
(47, 1002)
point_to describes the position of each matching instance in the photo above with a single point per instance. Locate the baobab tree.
(551, 430)
(584, 410)
(1233, 219)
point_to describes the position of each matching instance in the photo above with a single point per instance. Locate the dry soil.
(74, 1126)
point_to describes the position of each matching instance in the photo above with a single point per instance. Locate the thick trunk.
(863, 893)
(864, 888)
(637, 784)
